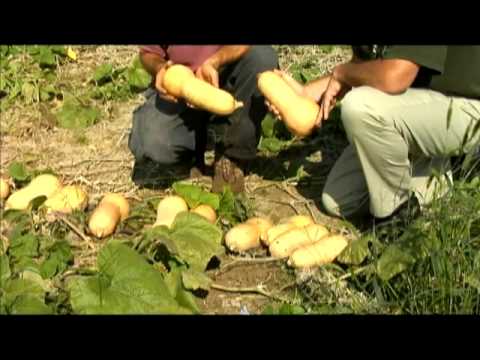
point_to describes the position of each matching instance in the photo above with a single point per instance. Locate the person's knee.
(261, 58)
(330, 205)
(359, 110)
(164, 151)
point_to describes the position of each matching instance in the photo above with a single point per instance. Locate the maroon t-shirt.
(189, 55)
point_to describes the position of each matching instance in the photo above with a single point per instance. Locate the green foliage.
(119, 83)
(56, 262)
(195, 195)
(73, 115)
(19, 172)
(283, 309)
(275, 136)
(191, 240)
(125, 284)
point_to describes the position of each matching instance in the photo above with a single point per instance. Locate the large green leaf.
(25, 263)
(194, 280)
(138, 79)
(75, 116)
(60, 255)
(195, 195)
(24, 246)
(393, 261)
(34, 275)
(24, 296)
(197, 240)
(28, 305)
(356, 252)
(174, 282)
(126, 284)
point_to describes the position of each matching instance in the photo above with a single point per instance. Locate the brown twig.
(89, 160)
(289, 285)
(249, 290)
(349, 275)
(291, 204)
(77, 231)
(124, 132)
(89, 173)
(239, 260)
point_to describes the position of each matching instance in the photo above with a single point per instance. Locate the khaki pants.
(396, 142)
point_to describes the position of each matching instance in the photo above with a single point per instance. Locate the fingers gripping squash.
(181, 82)
(299, 113)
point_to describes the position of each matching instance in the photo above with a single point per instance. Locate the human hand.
(159, 83)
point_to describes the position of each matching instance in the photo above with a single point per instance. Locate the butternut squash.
(298, 113)
(42, 185)
(67, 199)
(285, 244)
(207, 212)
(242, 237)
(320, 253)
(4, 189)
(111, 210)
(168, 208)
(181, 82)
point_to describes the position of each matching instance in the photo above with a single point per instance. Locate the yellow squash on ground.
(112, 209)
(320, 253)
(4, 189)
(242, 237)
(67, 199)
(262, 224)
(168, 209)
(206, 211)
(299, 220)
(42, 185)
(285, 244)
(276, 231)
(120, 202)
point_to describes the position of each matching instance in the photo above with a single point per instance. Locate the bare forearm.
(391, 76)
(152, 62)
(228, 54)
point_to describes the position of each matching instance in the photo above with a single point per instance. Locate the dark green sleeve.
(429, 56)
